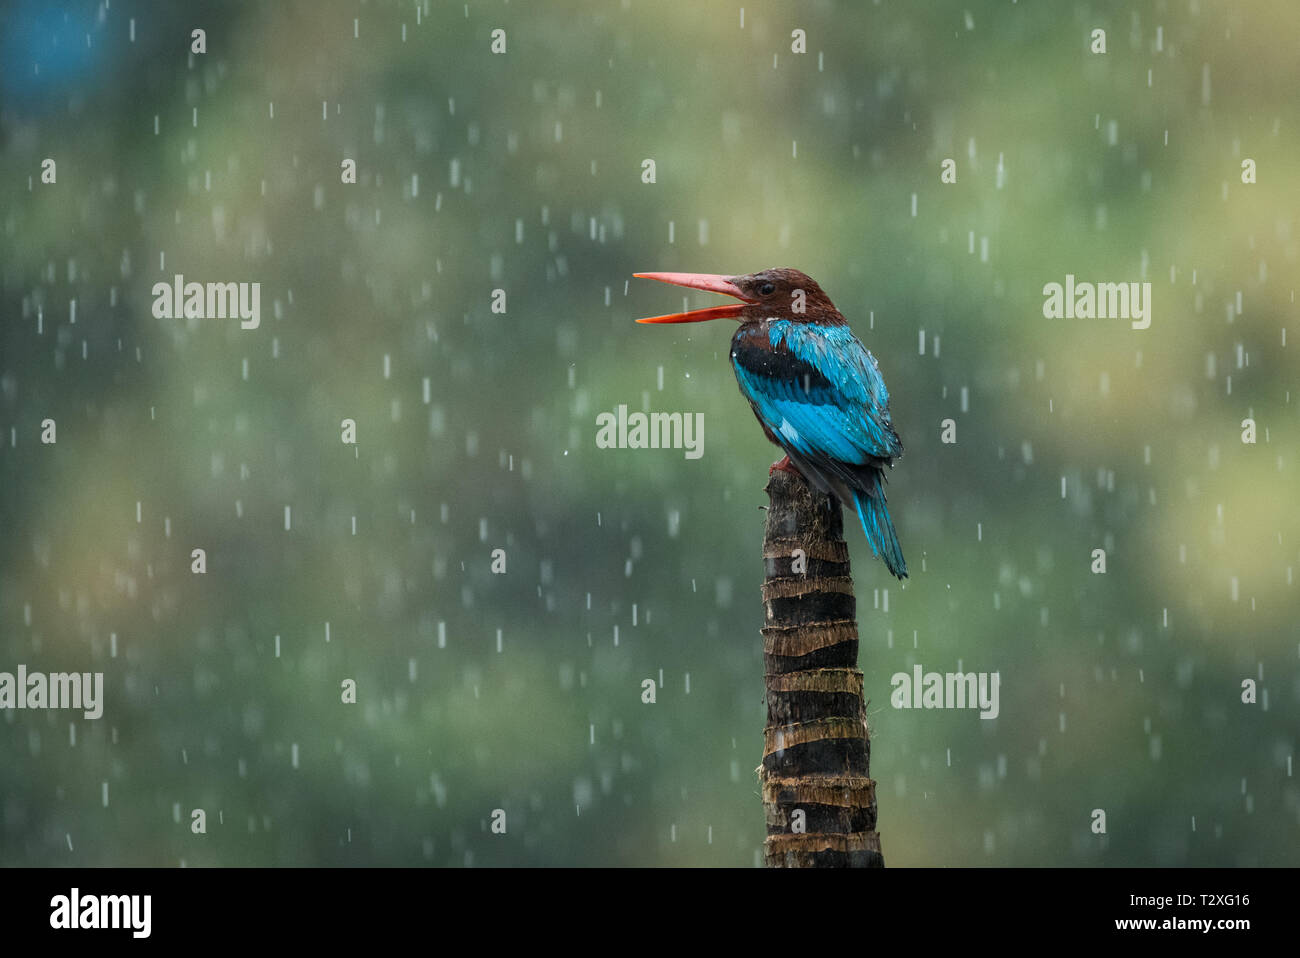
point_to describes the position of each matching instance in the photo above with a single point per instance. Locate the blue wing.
(818, 391)
(820, 396)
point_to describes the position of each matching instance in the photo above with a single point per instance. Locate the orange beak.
(712, 282)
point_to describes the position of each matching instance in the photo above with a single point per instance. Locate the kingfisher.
(816, 390)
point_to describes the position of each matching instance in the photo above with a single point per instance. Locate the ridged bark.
(816, 751)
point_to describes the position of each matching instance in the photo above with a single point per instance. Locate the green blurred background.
(522, 171)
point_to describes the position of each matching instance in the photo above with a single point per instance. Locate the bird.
(814, 388)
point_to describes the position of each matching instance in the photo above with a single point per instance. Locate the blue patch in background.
(44, 53)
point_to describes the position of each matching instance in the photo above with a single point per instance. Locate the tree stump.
(819, 800)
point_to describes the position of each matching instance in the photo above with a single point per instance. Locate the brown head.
(779, 293)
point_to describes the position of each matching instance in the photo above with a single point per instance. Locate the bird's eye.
(767, 289)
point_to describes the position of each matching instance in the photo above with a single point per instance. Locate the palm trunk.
(817, 794)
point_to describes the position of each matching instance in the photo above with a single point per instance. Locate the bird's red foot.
(785, 466)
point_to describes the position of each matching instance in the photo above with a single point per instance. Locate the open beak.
(709, 281)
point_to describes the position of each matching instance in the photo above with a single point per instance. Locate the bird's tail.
(879, 529)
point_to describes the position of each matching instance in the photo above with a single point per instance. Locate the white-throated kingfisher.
(816, 390)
